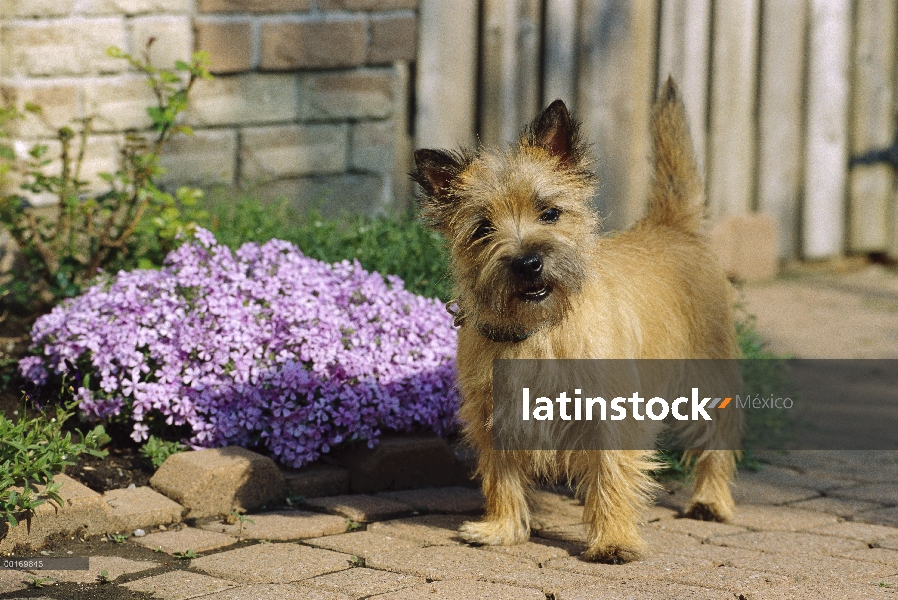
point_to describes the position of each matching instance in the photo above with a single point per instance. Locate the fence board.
(731, 154)
(446, 87)
(823, 215)
(510, 76)
(614, 74)
(683, 46)
(780, 134)
(559, 57)
(871, 125)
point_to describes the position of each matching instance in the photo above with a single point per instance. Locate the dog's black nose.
(527, 266)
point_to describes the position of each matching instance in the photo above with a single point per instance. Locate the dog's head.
(518, 222)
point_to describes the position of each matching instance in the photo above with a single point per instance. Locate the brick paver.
(272, 563)
(361, 507)
(362, 582)
(445, 500)
(188, 538)
(430, 530)
(455, 589)
(448, 562)
(281, 525)
(363, 543)
(179, 585)
(114, 566)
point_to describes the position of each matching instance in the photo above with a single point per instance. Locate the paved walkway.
(809, 524)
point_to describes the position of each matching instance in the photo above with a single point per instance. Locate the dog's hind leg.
(616, 489)
(713, 472)
(506, 484)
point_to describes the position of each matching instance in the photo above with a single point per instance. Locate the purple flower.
(261, 345)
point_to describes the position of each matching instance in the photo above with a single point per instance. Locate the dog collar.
(493, 334)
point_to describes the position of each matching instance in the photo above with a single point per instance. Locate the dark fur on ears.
(558, 133)
(434, 171)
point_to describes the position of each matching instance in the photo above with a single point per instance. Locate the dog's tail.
(676, 196)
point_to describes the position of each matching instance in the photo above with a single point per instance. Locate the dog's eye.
(484, 229)
(550, 215)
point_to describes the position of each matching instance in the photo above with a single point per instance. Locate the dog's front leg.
(506, 483)
(617, 490)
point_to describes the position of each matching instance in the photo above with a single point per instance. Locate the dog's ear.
(434, 171)
(556, 131)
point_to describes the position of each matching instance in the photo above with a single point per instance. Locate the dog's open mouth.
(536, 293)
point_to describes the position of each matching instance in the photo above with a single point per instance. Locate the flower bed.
(259, 346)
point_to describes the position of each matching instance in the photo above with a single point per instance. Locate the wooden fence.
(780, 95)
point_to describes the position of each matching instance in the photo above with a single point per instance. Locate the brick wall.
(309, 102)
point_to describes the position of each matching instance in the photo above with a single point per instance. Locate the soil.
(121, 467)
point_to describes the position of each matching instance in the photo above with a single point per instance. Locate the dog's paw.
(702, 511)
(614, 554)
(493, 533)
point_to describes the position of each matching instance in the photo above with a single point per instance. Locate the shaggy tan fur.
(654, 291)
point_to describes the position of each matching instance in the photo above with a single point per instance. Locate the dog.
(534, 279)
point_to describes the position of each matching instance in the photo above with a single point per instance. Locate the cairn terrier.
(533, 279)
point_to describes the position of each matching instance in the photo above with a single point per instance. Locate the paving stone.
(796, 565)
(461, 589)
(141, 507)
(698, 529)
(447, 562)
(430, 530)
(115, 567)
(216, 481)
(764, 492)
(653, 566)
(281, 525)
(874, 555)
(361, 508)
(276, 592)
(454, 499)
(881, 493)
(857, 531)
(780, 518)
(178, 585)
(188, 538)
(889, 542)
(742, 582)
(363, 543)
(537, 550)
(548, 581)
(12, 581)
(855, 465)
(402, 462)
(83, 512)
(575, 533)
(253, 6)
(793, 478)
(643, 589)
(822, 590)
(271, 563)
(882, 516)
(362, 582)
(550, 509)
(836, 506)
(659, 513)
(789, 542)
(317, 480)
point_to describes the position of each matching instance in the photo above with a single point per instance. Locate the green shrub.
(400, 246)
(33, 450)
(156, 450)
(132, 223)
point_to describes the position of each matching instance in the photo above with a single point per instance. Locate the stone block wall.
(310, 99)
